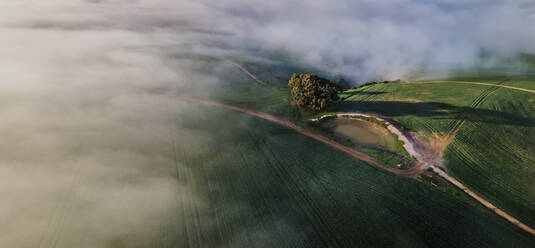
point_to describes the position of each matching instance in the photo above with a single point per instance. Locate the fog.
(84, 134)
(358, 39)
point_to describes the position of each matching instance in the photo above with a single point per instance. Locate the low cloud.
(387, 39)
(361, 39)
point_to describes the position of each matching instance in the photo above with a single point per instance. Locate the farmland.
(252, 124)
(259, 183)
(194, 175)
(492, 151)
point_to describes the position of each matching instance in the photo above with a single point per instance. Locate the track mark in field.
(189, 215)
(476, 83)
(324, 231)
(244, 70)
(62, 213)
(457, 124)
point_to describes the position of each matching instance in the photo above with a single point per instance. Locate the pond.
(361, 131)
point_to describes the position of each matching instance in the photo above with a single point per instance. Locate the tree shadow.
(353, 93)
(362, 93)
(437, 110)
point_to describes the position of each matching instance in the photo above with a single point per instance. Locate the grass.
(493, 151)
(256, 184)
(261, 185)
(426, 107)
(499, 160)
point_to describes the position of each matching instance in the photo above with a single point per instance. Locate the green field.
(260, 185)
(235, 87)
(493, 151)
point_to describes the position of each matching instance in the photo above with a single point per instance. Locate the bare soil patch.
(431, 151)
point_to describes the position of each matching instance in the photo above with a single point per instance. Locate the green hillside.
(261, 185)
(493, 150)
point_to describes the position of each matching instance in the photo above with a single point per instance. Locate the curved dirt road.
(417, 169)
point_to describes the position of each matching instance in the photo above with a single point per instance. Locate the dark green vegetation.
(250, 183)
(313, 92)
(493, 150)
(259, 185)
(375, 82)
(235, 87)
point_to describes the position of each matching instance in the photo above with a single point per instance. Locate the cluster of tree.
(314, 92)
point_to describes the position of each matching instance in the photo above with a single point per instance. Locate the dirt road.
(364, 157)
(484, 202)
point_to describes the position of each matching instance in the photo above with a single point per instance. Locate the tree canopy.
(314, 92)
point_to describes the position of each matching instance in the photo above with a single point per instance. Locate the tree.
(314, 92)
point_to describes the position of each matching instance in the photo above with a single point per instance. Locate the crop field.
(499, 160)
(239, 181)
(515, 79)
(255, 183)
(493, 150)
(237, 88)
(258, 184)
(418, 107)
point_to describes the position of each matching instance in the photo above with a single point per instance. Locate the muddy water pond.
(361, 131)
